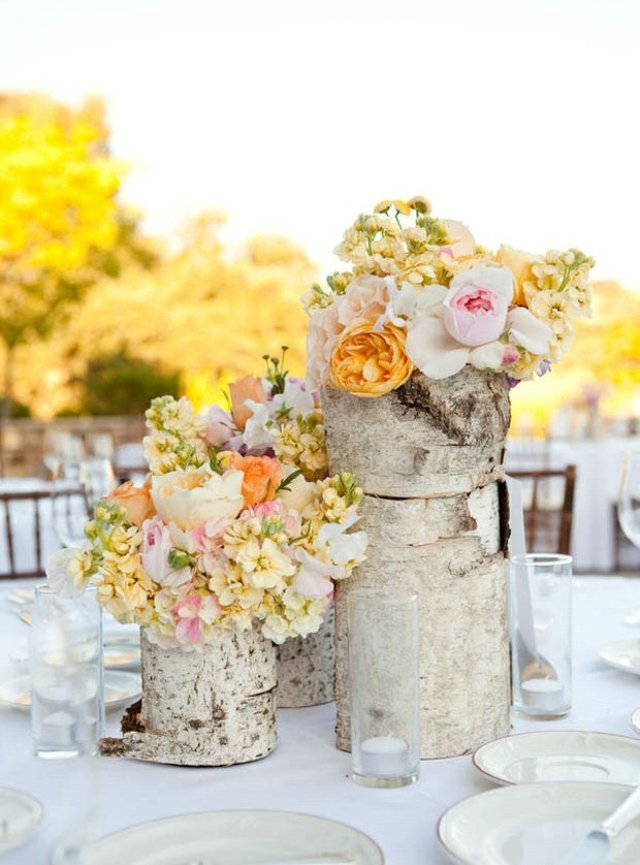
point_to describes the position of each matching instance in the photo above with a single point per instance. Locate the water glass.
(384, 687)
(67, 705)
(540, 624)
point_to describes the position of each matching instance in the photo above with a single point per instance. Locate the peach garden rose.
(370, 363)
(262, 476)
(136, 501)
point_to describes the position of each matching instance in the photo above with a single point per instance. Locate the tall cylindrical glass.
(384, 687)
(540, 623)
(67, 704)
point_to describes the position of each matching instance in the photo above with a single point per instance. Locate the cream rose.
(189, 499)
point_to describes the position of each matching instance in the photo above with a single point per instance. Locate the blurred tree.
(208, 313)
(60, 225)
(57, 187)
(117, 384)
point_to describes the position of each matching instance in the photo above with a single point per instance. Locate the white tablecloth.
(306, 773)
(599, 466)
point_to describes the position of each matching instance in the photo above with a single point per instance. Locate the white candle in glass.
(542, 693)
(384, 755)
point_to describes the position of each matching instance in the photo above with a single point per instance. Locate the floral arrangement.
(237, 523)
(422, 295)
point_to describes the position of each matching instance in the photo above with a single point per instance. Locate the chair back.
(27, 528)
(548, 496)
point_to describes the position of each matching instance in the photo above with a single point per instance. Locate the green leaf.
(284, 485)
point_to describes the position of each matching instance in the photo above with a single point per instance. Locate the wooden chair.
(548, 522)
(36, 523)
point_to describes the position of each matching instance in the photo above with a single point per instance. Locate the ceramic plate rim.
(634, 726)
(455, 858)
(619, 666)
(110, 706)
(507, 782)
(28, 832)
(240, 811)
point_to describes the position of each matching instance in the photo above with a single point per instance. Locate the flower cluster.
(422, 295)
(223, 536)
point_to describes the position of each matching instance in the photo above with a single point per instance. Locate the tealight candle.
(384, 755)
(542, 694)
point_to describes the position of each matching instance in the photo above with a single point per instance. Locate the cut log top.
(428, 438)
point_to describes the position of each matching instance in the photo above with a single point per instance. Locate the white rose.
(190, 498)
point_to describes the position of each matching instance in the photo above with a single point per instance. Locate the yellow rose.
(367, 363)
(520, 264)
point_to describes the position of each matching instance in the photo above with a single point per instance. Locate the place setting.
(329, 620)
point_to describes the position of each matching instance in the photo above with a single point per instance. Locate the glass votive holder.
(384, 687)
(540, 625)
(65, 651)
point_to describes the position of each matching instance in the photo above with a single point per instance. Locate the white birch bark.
(210, 708)
(306, 668)
(428, 457)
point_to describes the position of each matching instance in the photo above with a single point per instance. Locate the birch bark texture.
(306, 668)
(216, 707)
(429, 457)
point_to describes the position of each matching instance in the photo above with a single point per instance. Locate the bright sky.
(520, 118)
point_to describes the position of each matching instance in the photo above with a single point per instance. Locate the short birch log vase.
(306, 668)
(216, 707)
(429, 457)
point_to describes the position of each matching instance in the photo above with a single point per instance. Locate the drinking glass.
(384, 687)
(74, 494)
(540, 622)
(67, 705)
(629, 498)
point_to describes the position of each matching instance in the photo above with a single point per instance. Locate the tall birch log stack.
(216, 707)
(306, 668)
(429, 457)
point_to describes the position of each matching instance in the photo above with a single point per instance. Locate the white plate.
(623, 655)
(534, 824)
(233, 838)
(119, 655)
(633, 619)
(120, 690)
(19, 818)
(635, 720)
(21, 597)
(564, 756)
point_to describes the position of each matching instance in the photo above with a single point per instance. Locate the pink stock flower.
(190, 614)
(511, 355)
(208, 540)
(220, 426)
(475, 309)
(156, 546)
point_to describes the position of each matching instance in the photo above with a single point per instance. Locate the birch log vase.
(216, 707)
(429, 457)
(306, 668)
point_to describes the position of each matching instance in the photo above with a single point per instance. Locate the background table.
(306, 773)
(599, 466)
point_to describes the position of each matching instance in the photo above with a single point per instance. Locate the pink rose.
(366, 297)
(324, 328)
(475, 308)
